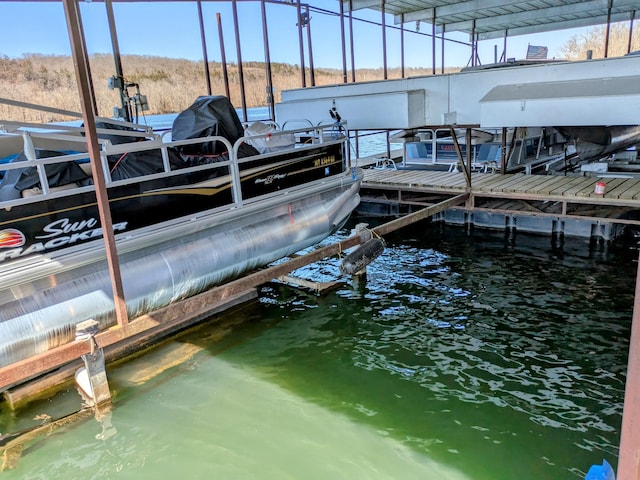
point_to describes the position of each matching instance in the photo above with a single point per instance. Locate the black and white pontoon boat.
(188, 213)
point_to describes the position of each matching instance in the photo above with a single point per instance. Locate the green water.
(463, 356)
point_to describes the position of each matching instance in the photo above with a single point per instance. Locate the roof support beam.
(499, 15)
(593, 7)
(551, 26)
(360, 4)
(459, 8)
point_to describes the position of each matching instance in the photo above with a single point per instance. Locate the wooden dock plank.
(442, 179)
(515, 184)
(481, 180)
(632, 192)
(549, 187)
(586, 182)
(406, 177)
(616, 191)
(588, 188)
(439, 176)
(454, 179)
(570, 183)
(396, 178)
(525, 182)
(373, 176)
(535, 187)
(499, 183)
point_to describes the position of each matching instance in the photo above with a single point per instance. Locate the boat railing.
(297, 120)
(305, 138)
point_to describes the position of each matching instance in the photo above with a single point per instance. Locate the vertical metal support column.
(503, 57)
(78, 48)
(442, 47)
(629, 459)
(267, 58)
(384, 40)
(357, 144)
(353, 61)
(468, 152)
(633, 16)
(512, 146)
(503, 152)
(433, 42)
(124, 101)
(608, 31)
(388, 146)
(243, 97)
(402, 45)
(473, 44)
(303, 73)
(344, 48)
(223, 56)
(203, 40)
(312, 71)
(459, 152)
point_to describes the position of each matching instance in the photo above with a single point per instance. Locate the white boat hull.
(166, 264)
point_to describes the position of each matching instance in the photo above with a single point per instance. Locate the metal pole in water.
(92, 378)
(225, 71)
(124, 100)
(267, 58)
(311, 67)
(243, 96)
(303, 74)
(351, 48)
(203, 40)
(384, 40)
(78, 48)
(344, 50)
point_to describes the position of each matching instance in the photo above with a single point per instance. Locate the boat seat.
(32, 192)
(86, 167)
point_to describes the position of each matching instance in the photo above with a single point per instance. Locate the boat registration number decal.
(328, 160)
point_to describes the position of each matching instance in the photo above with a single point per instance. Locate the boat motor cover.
(210, 116)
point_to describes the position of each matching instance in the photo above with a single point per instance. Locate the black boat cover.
(136, 164)
(210, 116)
(146, 162)
(58, 174)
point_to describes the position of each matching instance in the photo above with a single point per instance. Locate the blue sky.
(171, 29)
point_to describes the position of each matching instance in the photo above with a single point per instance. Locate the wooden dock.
(559, 197)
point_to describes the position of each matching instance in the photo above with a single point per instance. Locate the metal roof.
(494, 18)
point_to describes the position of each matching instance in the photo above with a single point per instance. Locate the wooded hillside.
(170, 84)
